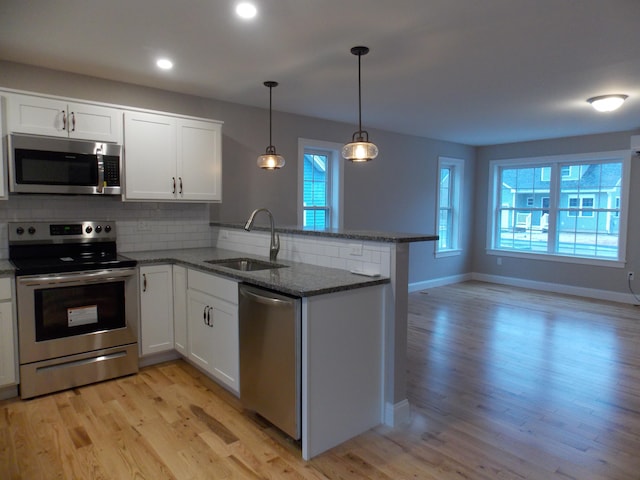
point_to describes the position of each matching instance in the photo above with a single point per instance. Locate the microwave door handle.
(100, 188)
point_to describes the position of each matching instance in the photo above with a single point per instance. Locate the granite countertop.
(373, 236)
(298, 279)
(6, 268)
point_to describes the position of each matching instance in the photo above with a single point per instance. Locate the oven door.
(77, 312)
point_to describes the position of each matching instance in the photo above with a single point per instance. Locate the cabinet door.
(199, 160)
(226, 358)
(180, 309)
(7, 352)
(150, 156)
(213, 337)
(37, 115)
(93, 122)
(156, 309)
(200, 333)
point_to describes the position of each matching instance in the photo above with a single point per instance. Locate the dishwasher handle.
(274, 299)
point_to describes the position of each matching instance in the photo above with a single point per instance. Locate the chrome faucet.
(274, 246)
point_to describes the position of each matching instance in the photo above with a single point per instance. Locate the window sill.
(447, 253)
(558, 258)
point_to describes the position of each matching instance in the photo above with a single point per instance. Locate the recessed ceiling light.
(607, 103)
(164, 64)
(246, 10)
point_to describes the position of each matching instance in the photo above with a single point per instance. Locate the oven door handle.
(97, 276)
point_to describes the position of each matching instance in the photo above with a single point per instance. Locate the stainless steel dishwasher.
(270, 369)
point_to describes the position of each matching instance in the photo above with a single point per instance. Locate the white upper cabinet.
(59, 118)
(199, 160)
(150, 156)
(172, 158)
(3, 162)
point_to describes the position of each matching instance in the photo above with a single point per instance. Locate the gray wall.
(584, 276)
(396, 192)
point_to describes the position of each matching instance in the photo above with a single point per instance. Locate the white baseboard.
(397, 414)
(557, 288)
(439, 282)
(157, 358)
(524, 283)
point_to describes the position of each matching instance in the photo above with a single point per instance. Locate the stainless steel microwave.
(64, 166)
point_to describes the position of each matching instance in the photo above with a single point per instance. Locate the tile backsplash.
(160, 226)
(141, 225)
(345, 254)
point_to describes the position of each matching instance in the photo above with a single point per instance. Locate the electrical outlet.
(355, 249)
(499, 260)
(143, 226)
(630, 275)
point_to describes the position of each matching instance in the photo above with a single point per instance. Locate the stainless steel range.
(77, 305)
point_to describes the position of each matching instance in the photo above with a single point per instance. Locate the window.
(449, 193)
(570, 206)
(320, 185)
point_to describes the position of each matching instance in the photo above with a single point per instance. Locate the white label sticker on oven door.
(82, 315)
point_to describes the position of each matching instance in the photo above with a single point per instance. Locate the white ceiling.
(477, 72)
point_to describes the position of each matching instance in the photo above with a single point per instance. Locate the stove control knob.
(88, 229)
(19, 230)
(32, 230)
(98, 228)
(107, 228)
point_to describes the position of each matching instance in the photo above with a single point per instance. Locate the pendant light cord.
(270, 119)
(359, 97)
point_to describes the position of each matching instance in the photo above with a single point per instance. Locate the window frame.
(556, 161)
(335, 181)
(456, 166)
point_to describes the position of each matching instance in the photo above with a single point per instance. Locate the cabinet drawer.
(5, 289)
(213, 285)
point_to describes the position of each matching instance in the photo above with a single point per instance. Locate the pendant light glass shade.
(270, 160)
(360, 149)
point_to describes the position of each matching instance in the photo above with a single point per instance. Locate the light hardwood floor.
(505, 383)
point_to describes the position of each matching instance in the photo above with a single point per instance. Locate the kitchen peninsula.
(354, 324)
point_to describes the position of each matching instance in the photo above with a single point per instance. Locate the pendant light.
(270, 160)
(360, 149)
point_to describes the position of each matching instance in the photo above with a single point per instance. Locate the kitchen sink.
(245, 264)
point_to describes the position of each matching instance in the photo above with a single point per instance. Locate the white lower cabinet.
(7, 335)
(180, 331)
(156, 309)
(212, 313)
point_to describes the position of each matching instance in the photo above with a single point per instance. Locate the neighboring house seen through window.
(320, 185)
(578, 210)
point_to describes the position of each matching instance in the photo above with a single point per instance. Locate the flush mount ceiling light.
(360, 149)
(164, 64)
(270, 160)
(246, 10)
(607, 103)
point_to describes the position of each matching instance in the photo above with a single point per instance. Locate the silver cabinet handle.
(144, 282)
(64, 120)
(180, 178)
(174, 185)
(73, 121)
(209, 322)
